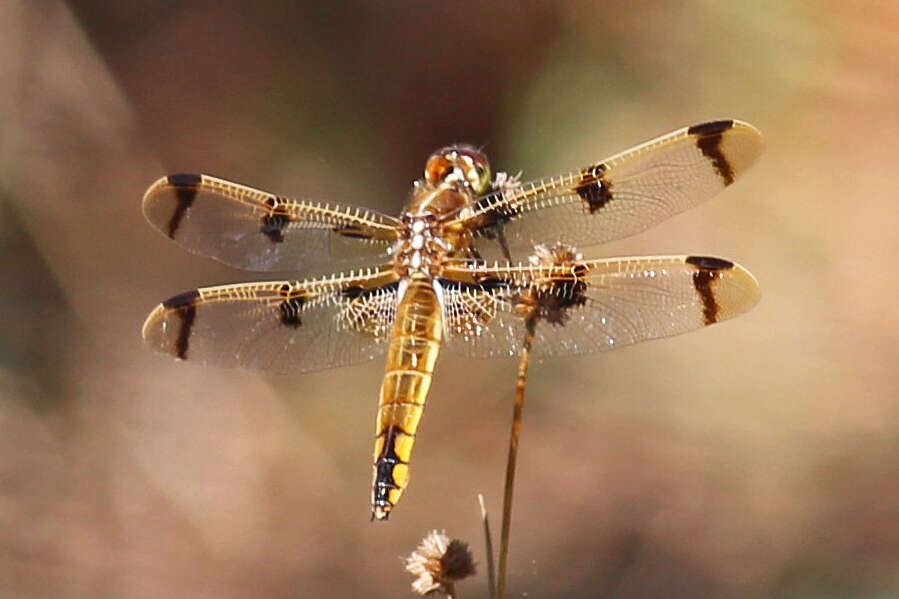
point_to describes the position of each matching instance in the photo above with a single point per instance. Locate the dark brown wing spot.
(711, 128)
(352, 292)
(552, 302)
(594, 188)
(185, 309)
(355, 291)
(703, 278)
(290, 312)
(709, 263)
(276, 220)
(182, 299)
(488, 284)
(187, 315)
(708, 140)
(186, 187)
(495, 209)
(352, 231)
(273, 226)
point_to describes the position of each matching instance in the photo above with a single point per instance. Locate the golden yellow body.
(418, 331)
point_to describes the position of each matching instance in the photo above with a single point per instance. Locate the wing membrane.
(619, 196)
(591, 305)
(257, 230)
(279, 326)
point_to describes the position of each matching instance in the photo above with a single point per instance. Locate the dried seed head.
(438, 562)
(554, 255)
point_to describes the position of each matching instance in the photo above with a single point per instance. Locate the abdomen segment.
(418, 331)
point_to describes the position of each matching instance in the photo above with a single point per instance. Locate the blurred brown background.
(754, 459)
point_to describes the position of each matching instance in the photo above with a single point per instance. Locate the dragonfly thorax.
(454, 177)
(421, 248)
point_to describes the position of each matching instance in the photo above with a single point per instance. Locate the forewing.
(619, 196)
(257, 230)
(592, 305)
(279, 326)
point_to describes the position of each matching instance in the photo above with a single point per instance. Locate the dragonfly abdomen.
(417, 334)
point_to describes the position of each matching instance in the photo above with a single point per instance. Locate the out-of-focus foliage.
(757, 458)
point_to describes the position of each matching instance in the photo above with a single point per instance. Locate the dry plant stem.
(530, 324)
(488, 540)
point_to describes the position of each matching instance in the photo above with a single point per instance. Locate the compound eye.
(476, 167)
(438, 167)
(462, 165)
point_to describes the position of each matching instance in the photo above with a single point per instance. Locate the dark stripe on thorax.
(186, 187)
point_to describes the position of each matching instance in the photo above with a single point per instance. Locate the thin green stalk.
(488, 539)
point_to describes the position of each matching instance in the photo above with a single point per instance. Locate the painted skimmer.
(434, 286)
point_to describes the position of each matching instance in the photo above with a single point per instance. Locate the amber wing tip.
(750, 283)
(149, 325)
(746, 126)
(154, 188)
(161, 336)
(744, 292)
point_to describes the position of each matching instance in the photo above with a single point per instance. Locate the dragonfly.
(441, 273)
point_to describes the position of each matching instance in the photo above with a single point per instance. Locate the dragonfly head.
(460, 166)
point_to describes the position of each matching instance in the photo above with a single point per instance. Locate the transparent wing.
(256, 230)
(279, 326)
(616, 197)
(591, 305)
